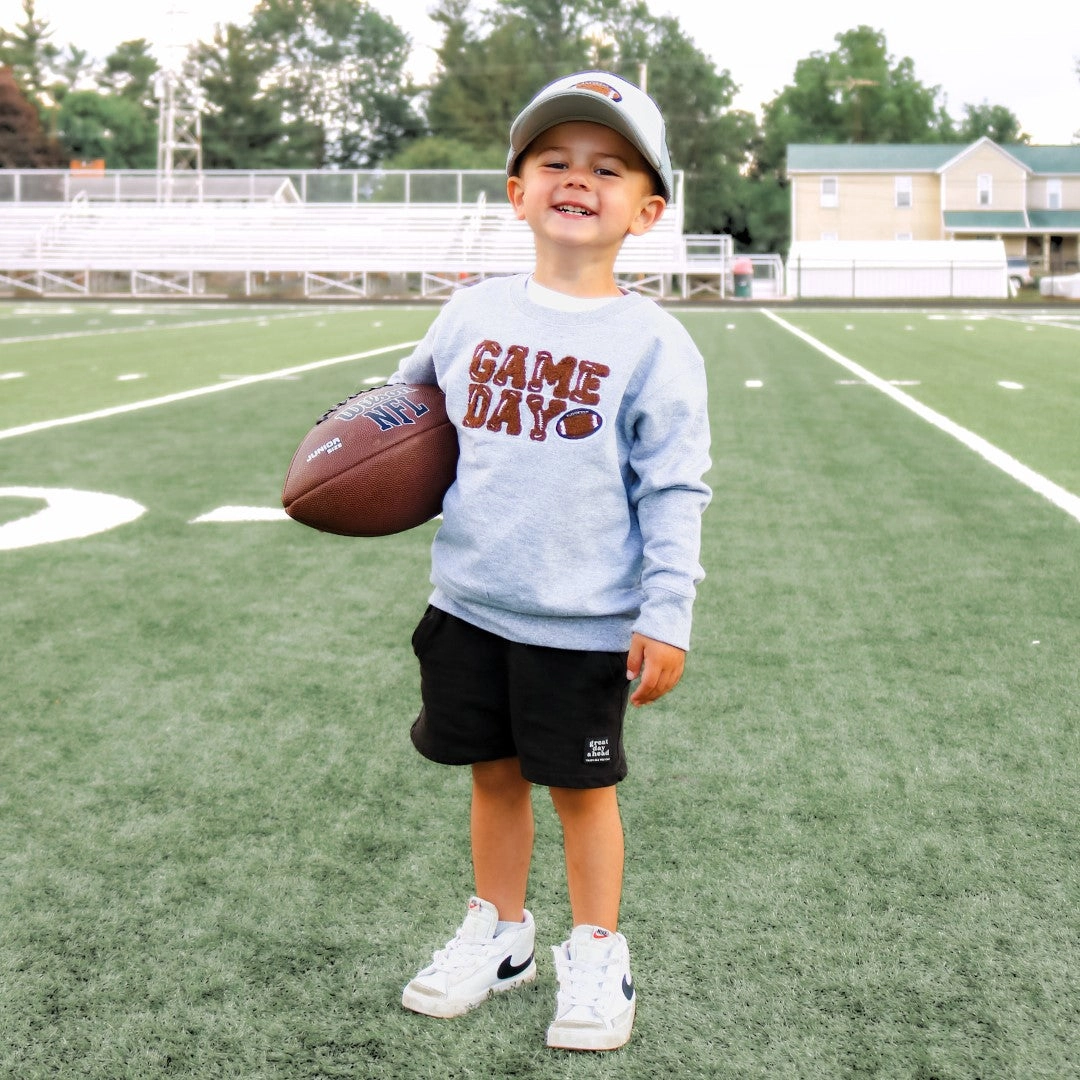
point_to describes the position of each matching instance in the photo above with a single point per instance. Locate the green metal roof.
(920, 157)
(986, 220)
(869, 157)
(1055, 221)
(1048, 160)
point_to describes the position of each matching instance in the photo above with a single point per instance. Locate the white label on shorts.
(597, 752)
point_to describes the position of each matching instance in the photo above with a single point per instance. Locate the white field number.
(69, 514)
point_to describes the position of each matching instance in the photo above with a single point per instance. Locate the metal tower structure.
(179, 120)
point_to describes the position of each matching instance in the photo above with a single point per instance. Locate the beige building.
(1026, 196)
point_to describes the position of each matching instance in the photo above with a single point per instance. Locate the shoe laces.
(462, 952)
(584, 981)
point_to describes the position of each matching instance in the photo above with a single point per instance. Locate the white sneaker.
(596, 1003)
(475, 964)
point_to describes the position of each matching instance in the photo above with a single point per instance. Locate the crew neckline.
(559, 301)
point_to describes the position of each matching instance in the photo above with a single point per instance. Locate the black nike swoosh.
(628, 988)
(508, 969)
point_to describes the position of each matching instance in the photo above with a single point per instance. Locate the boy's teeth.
(573, 210)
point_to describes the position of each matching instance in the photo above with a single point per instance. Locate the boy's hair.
(600, 98)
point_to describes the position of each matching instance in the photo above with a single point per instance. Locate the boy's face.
(584, 185)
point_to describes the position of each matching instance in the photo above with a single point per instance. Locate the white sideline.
(200, 391)
(1064, 500)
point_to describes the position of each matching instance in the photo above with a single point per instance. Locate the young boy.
(566, 563)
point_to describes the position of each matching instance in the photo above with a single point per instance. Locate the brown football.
(377, 463)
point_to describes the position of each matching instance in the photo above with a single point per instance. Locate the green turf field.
(852, 831)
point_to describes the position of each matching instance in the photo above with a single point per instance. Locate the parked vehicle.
(1020, 275)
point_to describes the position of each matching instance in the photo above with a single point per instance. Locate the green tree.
(993, 121)
(115, 117)
(339, 66)
(243, 125)
(30, 54)
(439, 152)
(75, 71)
(129, 72)
(93, 125)
(768, 215)
(489, 68)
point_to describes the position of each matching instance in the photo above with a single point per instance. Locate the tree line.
(317, 84)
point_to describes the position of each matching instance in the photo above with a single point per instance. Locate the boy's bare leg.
(593, 843)
(502, 835)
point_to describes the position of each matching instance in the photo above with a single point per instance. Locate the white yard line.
(1064, 500)
(1062, 321)
(200, 391)
(157, 328)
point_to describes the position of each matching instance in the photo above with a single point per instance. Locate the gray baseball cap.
(601, 98)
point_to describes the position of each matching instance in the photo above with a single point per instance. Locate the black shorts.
(559, 711)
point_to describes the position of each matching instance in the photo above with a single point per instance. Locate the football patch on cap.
(600, 88)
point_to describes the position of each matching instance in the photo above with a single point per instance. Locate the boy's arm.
(419, 366)
(669, 457)
(660, 666)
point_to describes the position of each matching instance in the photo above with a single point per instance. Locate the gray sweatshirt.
(575, 517)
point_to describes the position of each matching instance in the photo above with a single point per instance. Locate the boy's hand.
(659, 665)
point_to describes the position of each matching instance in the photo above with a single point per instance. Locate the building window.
(830, 191)
(986, 189)
(904, 236)
(902, 187)
(830, 237)
(1053, 194)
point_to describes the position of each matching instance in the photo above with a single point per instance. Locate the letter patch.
(541, 391)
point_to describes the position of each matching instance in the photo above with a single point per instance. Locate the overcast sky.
(1022, 57)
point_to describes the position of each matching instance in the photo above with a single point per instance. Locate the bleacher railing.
(446, 186)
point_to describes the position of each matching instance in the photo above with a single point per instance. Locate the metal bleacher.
(255, 235)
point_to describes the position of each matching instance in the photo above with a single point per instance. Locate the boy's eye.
(561, 165)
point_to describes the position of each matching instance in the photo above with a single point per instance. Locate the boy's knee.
(502, 777)
(572, 802)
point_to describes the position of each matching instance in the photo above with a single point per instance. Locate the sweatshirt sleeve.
(419, 365)
(669, 456)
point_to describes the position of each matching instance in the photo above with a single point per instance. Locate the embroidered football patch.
(602, 88)
(579, 423)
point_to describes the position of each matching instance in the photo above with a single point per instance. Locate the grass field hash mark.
(201, 391)
(234, 514)
(1064, 500)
